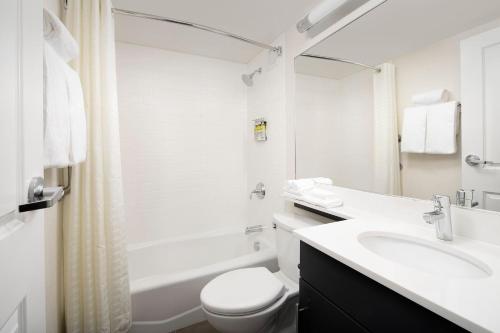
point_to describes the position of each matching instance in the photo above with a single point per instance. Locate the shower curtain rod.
(309, 55)
(276, 49)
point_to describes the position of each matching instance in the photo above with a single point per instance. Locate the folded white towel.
(59, 37)
(56, 114)
(78, 121)
(321, 194)
(299, 186)
(331, 202)
(414, 130)
(431, 97)
(322, 181)
(442, 128)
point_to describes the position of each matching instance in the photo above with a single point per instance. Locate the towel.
(330, 201)
(321, 194)
(413, 135)
(58, 36)
(77, 118)
(442, 128)
(56, 115)
(299, 186)
(431, 97)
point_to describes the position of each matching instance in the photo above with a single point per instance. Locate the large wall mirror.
(406, 101)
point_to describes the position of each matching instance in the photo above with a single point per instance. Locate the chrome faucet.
(441, 217)
(260, 191)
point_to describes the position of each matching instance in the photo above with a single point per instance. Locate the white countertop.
(473, 303)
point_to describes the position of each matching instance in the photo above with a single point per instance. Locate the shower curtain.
(96, 284)
(386, 165)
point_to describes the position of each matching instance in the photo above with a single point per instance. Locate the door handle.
(474, 160)
(41, 197)
(298, 310)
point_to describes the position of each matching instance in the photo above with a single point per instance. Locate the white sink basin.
(424, 255)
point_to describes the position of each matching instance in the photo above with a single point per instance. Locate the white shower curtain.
(96, 285)
(387, 171)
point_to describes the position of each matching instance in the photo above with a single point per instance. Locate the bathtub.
(166, 277)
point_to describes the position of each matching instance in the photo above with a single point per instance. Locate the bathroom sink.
(424, 255)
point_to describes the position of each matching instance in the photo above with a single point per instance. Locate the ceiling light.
(326, 8)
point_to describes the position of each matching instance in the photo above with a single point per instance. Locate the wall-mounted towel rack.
(67, 187)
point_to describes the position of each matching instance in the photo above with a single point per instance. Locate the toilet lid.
(242, 291)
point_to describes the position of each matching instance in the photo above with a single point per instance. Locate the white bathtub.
(167, 277)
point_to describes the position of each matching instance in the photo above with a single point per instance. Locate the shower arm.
(276, 49)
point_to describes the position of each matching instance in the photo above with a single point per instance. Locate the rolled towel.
(431, 97)
(59, 37)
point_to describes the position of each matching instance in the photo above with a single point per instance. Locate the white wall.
(267, 160)
(183, 132)
(334, 129)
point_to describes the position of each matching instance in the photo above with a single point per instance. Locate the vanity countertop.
(471, 302)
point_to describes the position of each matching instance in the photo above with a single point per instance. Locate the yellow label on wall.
(260, 130)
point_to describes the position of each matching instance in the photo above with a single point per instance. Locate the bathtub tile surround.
(183, 130)
(266, 161)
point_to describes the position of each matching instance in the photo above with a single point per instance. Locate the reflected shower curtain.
(387, 175)
(96, 285)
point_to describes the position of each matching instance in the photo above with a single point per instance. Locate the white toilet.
(254, 300)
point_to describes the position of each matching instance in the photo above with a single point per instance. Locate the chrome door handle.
(40, 197)
(474, 160)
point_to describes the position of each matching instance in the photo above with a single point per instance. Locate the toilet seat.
(242, 292)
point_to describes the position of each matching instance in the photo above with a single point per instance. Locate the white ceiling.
(396, 28)
(261, 20)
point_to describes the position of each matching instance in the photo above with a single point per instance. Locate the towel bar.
(67, 187)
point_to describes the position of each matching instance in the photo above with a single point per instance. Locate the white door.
(22, 282)
(481, 117)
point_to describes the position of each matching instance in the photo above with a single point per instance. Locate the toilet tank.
(287, 244)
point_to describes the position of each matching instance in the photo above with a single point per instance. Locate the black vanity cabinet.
(336, 298)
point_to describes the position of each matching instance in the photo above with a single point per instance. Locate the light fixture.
(326, 8)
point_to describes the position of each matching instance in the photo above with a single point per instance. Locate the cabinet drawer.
(373, 305)
(317, 314)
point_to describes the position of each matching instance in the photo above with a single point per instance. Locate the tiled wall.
(183, 133)
(267, 160)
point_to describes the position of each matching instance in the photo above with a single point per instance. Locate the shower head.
(248, 78)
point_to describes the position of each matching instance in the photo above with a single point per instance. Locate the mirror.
(405, 101)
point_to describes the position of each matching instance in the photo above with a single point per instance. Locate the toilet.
(254, 300)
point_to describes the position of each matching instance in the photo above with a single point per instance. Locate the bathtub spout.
(254, 228)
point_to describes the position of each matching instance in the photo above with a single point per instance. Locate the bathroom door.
(481, 117)
(22, 282)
